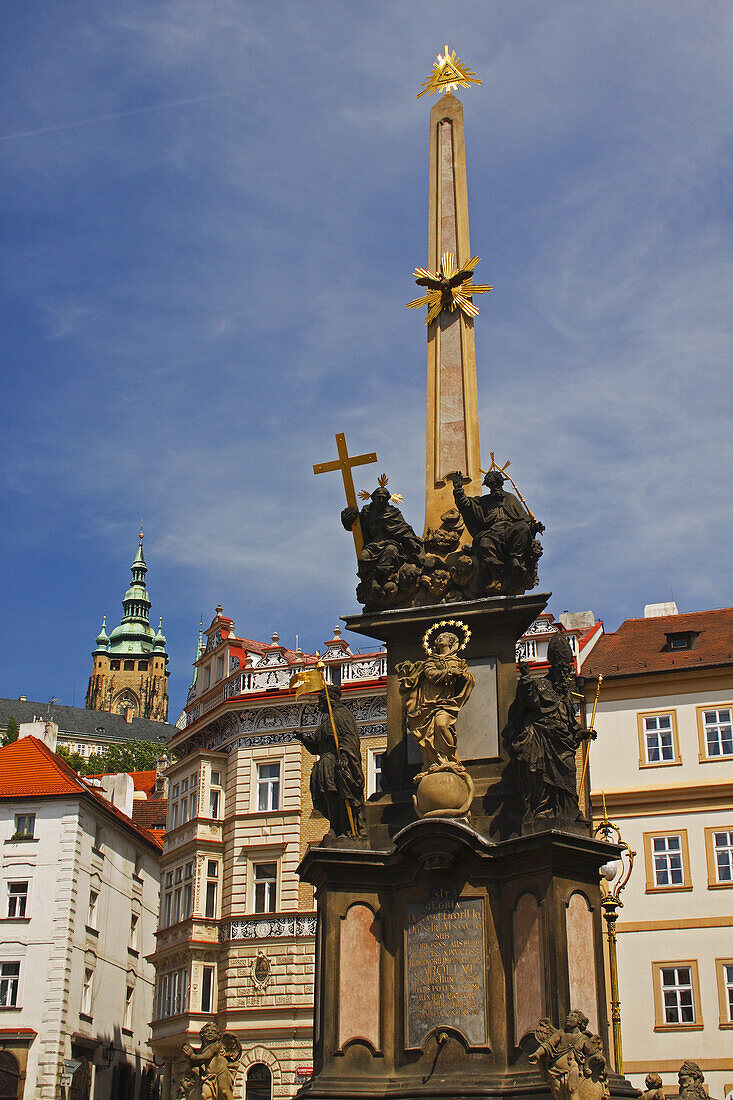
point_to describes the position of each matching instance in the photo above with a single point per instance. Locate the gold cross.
(345, 464)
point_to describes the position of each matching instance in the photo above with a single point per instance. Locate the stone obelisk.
(452, 403)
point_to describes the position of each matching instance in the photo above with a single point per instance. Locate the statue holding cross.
(389, 553)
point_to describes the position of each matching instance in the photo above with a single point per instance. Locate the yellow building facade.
(664, 760)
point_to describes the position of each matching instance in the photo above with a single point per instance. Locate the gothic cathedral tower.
(129, 670)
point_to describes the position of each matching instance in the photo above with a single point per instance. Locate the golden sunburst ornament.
(449, 72)
(382, 480)
(451, 288)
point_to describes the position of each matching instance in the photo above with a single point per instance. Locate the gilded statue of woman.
(435, 690)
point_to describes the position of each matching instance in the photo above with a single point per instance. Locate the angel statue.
(435, 690)
(212, 1070)
(571, 1059)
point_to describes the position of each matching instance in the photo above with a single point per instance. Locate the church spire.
(136, 604)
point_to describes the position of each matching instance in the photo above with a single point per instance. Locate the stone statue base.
(440, 954)
(443, 791)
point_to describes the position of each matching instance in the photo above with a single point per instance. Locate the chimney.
(658, 610)
(44, 729)
(119, 789)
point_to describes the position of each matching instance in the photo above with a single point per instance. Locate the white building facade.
(79, 902)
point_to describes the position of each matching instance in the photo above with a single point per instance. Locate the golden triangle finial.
(449, 72)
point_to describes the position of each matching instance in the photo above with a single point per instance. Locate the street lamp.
(109, 1053)
(614, 876)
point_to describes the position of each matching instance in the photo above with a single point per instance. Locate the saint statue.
(337, 777)
(542, 735)
(390, 562)
(571, 1059)
(212, 1070)
(505, 550)
(435, 690)
(691, 1078)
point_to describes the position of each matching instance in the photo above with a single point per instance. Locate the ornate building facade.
(236, 939)
(130, 665)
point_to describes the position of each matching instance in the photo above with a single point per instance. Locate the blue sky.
(210, 213)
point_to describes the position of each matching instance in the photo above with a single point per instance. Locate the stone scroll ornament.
(571, 1059)
(212, 1070)
(434, 691)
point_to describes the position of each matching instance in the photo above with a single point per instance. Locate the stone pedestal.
(437, 957)
(442, 942)
(496, 623)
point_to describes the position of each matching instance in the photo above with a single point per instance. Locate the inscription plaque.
(444, 966)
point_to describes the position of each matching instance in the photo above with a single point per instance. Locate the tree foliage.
(132, 756)
(11, 733)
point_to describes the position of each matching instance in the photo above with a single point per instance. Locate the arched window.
(9, 1076)
(259, 1082)
(114, 666)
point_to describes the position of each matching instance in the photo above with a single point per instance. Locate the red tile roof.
(639, 646)
(143, 781)
(150, 814)
(28, 769)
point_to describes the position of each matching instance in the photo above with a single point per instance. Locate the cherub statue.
(571, 1059)
(542, 736)
(391, 559)
(691, 1078)
(654, 1089)
(435, 690)
(213, 1068)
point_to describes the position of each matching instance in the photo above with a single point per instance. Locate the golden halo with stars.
(456, 626)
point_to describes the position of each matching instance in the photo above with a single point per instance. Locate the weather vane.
(449, 72)
(449, 288)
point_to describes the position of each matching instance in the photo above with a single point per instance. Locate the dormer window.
(681, 639)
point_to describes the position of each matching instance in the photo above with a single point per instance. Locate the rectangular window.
(724, 968)
(207, 989)
(172, 998)
(667, 861)
(174, 815)
(184, 785)
(92, 914)
(265, 887)
(659, 744)
(17, 898)
(215, 779)
(167, 910)
(718, 730)
(9, 981)
(210, 899)
(723, 852)
(184, 811)
(86, 992)
(127, 1014)
(667, 855)
(138, 865)
(376, 767)
(25, 825)
(268, 786)
(212, 869)
(134, 926)
(214, 803)
(677, 994)
(219, 667)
